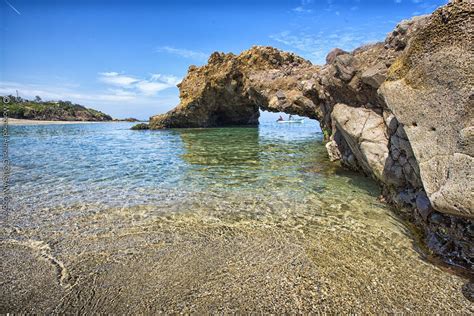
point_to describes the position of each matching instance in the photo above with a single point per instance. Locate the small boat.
(292, 121)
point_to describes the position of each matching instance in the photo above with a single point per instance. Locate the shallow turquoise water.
(110, 165)
(109, 220)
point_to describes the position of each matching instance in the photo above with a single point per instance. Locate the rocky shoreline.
(400, 111)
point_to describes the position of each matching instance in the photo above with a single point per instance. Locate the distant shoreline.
(12, 121)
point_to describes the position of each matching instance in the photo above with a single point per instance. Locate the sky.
(126, 57)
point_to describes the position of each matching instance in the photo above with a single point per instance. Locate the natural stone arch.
(377, 105)
(230, 90)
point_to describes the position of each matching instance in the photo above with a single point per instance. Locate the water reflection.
(225, 147)
(268, 158)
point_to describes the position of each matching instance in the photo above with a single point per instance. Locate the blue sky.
(125, 57)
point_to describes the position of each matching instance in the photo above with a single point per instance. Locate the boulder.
(344, 66)
(140, 126)
(333, 151)
(375, 75)
(333, 54)
(365, 132)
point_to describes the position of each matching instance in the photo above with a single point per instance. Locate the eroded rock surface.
(230, 89)
(400, 111)
(430, 91)
(365, 133)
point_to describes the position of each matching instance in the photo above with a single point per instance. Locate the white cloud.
(169, 79)
(139, 86)
(186, 53)
(301, 9)
(116, 79)
(121, 92)
(121, 88)
(150, 87)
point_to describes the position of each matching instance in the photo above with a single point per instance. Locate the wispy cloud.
(425, 6)
(144, 86)
(118, 87)
(12, 7)
(186, 53)
(48, 92)
(169, 79)
(303, 7)
(116, 79)
(316, 46)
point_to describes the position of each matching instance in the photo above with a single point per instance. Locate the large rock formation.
(430, 92)
(400, 111)
(230, 89)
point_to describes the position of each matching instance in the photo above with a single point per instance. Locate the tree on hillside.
(37, 99)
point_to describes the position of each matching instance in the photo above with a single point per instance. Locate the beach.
(12, 121)
(104, 219)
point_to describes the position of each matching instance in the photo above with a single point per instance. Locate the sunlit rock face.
(400, 111)
(430, 91)
(230, 89)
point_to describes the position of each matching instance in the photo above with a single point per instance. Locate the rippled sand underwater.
(204, 220)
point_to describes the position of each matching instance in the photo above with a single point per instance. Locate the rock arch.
(400, 111)
(231, 89)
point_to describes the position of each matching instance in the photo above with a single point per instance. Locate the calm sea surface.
(106, 219)
(109, 165)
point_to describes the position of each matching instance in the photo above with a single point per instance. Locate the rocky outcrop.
(430, 91)
(400, 111)
(140, 126)
(230, 89)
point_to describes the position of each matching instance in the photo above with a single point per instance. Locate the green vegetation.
(52, 110)
(326, 133)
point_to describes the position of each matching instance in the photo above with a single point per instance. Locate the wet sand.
(124, 261)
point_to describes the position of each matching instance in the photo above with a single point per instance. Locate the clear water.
(196, 220)
(108, 165)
